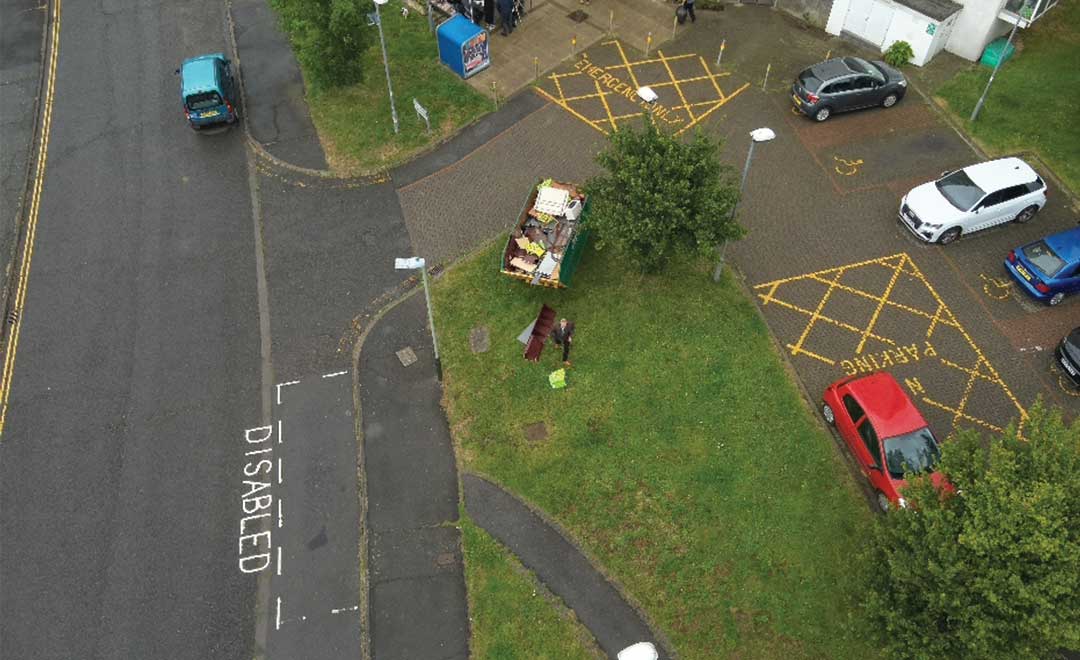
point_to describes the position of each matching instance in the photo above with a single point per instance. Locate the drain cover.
(577, 16)
(407, 356)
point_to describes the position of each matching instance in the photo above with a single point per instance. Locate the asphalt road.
(138, 364)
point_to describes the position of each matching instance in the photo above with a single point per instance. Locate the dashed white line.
(279, 560)
(277, 618)
(258, 451)
(279, 436)
(281, 385)
(336, 373)
(279, 470)
(279, 517)
(339, 610)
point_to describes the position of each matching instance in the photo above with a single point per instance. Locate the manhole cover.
(577, 16)
(536, 432)
(407, 356)
(444, 559)
(479, 339)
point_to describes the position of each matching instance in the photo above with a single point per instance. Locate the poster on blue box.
(463, 46)
(475, 53)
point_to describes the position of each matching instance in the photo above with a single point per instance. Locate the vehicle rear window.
(203, 101)
(809, 81)
(960, 190)
(911, 453)
(1042, 257)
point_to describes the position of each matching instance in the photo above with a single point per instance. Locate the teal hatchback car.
(208, 90)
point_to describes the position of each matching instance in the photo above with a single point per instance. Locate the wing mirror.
(177, 72)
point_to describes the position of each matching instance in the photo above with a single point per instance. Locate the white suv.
(974, 198)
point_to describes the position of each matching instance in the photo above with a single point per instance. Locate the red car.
(878, 421)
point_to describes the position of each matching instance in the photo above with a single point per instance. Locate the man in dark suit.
(563, 335)
(506, 15)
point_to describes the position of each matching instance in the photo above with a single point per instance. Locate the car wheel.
(1056, 298)
(822, 114)
(828, 414)
(890, 100)
(883, 502)
(949, 236)
(1027, 214)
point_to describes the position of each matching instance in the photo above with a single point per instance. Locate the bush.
(993, 569)
(661, 197)
(328, 37)
(899, 53)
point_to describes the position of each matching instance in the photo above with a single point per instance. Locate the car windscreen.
(203, 101)
(859, 65)
(1042, 257)
(960, 190)
(912, 453)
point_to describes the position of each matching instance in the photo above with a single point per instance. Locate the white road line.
(336, 373)
(279, 436)
(279, 560)
(281, 385)
(258, 451)
(279, 470)
(279, 518)
(277, 620)
(339, 610)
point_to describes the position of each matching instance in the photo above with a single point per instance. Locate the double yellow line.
(15, 317)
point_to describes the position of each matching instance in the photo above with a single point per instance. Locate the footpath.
(411, 558)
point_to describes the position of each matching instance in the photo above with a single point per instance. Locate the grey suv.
(846, 83)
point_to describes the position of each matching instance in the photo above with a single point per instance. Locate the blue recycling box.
(463, 46)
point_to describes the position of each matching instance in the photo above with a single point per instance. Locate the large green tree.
(328, 37)
(661, 197)
(991, 571)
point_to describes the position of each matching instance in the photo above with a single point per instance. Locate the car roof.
(200, 73)
(886, 404)
(1001, 173)
(830, 69)
(1066, 244)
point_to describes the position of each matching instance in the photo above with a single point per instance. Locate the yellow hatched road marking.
(675, 82)
(31, 220)
(942, 317)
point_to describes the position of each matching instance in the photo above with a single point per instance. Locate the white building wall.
(836, 17)
(910, 26)
(976, 25)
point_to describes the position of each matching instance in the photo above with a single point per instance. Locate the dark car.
(1068, 356)
(846, 83)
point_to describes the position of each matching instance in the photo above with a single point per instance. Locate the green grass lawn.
(512, 616)
(1033, 103)
(354, 122)
(680, 454)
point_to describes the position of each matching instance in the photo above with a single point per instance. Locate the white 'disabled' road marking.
(281, 385)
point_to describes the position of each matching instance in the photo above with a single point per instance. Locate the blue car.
(208, 90)
(1049, 268)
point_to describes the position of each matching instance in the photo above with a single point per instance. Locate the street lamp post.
(386, 63)
(997, 65)
(756, 135)
(418, 263)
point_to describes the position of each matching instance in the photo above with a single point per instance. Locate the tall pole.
(386, 65)
(1000, 59)
(431, 320)
(742, 186)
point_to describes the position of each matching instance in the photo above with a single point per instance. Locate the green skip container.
(998, 49)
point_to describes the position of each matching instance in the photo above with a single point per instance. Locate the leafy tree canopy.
(661, 197)
(328, 37)
(991, 571)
